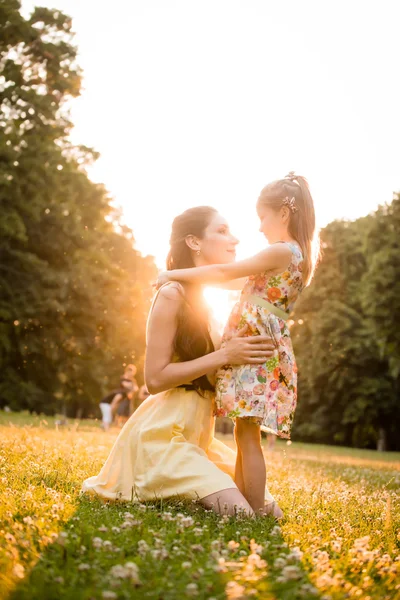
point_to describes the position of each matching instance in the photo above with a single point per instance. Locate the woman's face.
(218, 245)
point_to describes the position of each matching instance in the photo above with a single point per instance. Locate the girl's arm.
(275, 258)
(161, 373)
(234, 284)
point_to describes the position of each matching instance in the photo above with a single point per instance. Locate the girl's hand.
(161, 279)
(253, 350)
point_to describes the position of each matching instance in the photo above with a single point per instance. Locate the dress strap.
(177, 284)
(275, 310)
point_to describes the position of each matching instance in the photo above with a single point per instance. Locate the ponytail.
(293, 191)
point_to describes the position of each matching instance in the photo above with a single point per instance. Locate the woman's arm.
(161, 373)
(276, 257)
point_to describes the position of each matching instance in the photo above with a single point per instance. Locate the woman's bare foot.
(273, 510)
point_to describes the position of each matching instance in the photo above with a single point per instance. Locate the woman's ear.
(193, 242)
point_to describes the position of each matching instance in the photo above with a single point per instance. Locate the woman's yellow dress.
(167, 449)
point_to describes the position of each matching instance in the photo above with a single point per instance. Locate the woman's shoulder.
(172, 290)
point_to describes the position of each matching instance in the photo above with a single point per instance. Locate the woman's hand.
(253, 350)
(161, 279)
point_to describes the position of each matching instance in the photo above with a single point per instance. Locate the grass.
(340, 537)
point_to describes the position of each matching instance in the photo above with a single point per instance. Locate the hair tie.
(291, 175)
(290, 203)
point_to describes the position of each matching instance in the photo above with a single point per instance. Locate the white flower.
(119, 572)
(167, 516)
(133, 572)
(108, 595)
(186, 565)
(19, 571)
(291, 572)
(83, 567)
(187, 521)
(279, 563)
(192, 589)
(143, 547)
(232, 545)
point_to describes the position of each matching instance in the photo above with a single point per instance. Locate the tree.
(346, 394)
(74, 291)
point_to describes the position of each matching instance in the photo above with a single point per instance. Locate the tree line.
(75, 293)
(347, 336)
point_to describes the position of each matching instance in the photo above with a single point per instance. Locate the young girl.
(264, 397)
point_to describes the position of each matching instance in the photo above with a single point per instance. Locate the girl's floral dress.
(267, 393)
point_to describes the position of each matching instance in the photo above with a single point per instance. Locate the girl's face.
(272, 223)
(218, 245)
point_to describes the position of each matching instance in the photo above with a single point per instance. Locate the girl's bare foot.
(273, 509)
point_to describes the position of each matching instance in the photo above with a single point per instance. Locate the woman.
(168, 448)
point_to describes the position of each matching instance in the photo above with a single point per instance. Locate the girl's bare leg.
(228, 502)
(239, 466)
(253, 463)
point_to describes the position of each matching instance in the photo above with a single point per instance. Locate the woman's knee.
(229, 501)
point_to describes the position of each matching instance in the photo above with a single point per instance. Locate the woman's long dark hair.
(192, 338)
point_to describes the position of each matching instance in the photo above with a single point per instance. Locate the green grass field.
(339, 539)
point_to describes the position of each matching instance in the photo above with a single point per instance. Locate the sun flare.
(221, 303)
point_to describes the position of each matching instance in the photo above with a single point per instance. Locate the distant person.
(109, 405)
(142, 395)
(127, 405)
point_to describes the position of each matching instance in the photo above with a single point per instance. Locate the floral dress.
(267, 393)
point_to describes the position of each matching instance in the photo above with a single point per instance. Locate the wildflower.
(19, 571)
(133, 571)
(232, 545)
(279, 563)
(291, 572)
(143, 547)
(192, 589)
(167, 516)
(108, 595)
(234, 591)
(255, 548)
(187, 522)
(186, 565)
(83, 567)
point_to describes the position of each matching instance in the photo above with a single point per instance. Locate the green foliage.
(74, 291)
(348, 346)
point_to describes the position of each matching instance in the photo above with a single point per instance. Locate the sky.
(195, 102)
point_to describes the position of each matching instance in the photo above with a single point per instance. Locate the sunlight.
(221, 303)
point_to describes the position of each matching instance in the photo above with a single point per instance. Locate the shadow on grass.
(179, 550)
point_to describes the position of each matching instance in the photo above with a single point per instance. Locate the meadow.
(339, 538)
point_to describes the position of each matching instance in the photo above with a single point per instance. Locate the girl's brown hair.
(293, 191)
(192, 338)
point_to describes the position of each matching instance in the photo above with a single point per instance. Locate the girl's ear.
(285, 214)
(193, 242)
